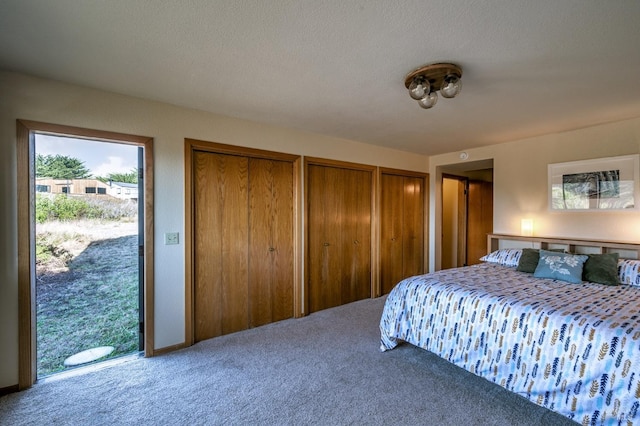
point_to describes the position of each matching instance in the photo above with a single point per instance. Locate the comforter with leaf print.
(573, 348)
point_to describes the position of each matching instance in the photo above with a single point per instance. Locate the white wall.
(24, 97)
(520, 184)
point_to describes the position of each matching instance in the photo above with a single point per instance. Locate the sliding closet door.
(270, 241)
(220, 243)
(338, 235)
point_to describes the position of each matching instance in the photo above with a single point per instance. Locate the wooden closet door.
(270, 241)
(401, 228)
(220, 244)
(324, 254)
(357, 236)
(391, 230)
(339, 236)
(413, 227)
(480, 219)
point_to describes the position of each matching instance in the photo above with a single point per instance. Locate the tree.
(61, 167)
(131, 177)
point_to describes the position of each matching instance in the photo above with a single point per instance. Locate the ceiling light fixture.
(425, 82)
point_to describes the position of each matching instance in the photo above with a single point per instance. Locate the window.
(127, 191)
(90, 190)
(102, 190)
(43, 188)
(65, 190)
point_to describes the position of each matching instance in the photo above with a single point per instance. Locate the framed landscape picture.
(601, 184)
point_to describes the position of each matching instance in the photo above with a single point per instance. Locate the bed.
(571, 347)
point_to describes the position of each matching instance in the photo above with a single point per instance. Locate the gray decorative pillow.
(528, 260)
(602, 269)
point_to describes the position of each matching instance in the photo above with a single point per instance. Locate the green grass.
(92, 302)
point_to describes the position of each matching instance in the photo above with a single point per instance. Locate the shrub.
(66, 208)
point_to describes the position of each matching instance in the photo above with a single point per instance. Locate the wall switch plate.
(171, 238)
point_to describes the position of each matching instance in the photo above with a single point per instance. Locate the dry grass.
(87, 289)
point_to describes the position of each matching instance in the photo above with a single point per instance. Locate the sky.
(101, 158)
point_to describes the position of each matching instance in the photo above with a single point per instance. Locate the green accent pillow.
(529, 259)
(602, 269)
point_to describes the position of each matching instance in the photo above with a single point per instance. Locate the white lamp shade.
(526, 227)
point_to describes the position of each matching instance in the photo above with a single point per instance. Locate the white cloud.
(112, 165)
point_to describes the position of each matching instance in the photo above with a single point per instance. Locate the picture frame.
(603, 184)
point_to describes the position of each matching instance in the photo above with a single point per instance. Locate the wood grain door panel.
(413, 227)
(391, 230)
(359, 239)
(480, 219)
(270, 244)
(338, 236)
(401, 228)
(221, 263)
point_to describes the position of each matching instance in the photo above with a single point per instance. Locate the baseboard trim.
(168, 349)
(9, 389)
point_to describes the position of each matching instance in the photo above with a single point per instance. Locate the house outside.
(92, 187)
(123, 190)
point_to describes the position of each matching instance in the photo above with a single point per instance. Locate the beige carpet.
(323, 369)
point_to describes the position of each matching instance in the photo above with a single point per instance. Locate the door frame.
(26, 130)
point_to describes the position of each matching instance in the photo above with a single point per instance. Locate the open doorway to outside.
(85, 247)
(88, 219)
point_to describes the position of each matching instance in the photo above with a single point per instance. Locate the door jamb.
(25, 133)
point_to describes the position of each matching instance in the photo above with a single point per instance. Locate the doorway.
(55, 305)
(466, 218)
(88, 218)
(454, 221)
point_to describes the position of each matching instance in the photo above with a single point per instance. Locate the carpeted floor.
(324, 369)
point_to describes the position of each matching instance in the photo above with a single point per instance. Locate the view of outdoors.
(86, 250)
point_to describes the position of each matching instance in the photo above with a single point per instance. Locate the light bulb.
(451, 86)
(419, 87)
(429, 100)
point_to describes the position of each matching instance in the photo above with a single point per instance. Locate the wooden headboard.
(572, 245)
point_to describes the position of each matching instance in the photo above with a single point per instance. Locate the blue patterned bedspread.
(573, 348)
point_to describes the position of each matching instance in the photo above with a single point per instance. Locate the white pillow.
(629, 272)
(505, 257)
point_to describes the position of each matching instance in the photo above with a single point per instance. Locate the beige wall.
(48, 101)
(520, 180)
(520, 184)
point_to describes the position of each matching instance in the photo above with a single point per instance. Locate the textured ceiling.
(337, 67)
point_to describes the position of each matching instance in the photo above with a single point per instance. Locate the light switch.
(171, 238)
